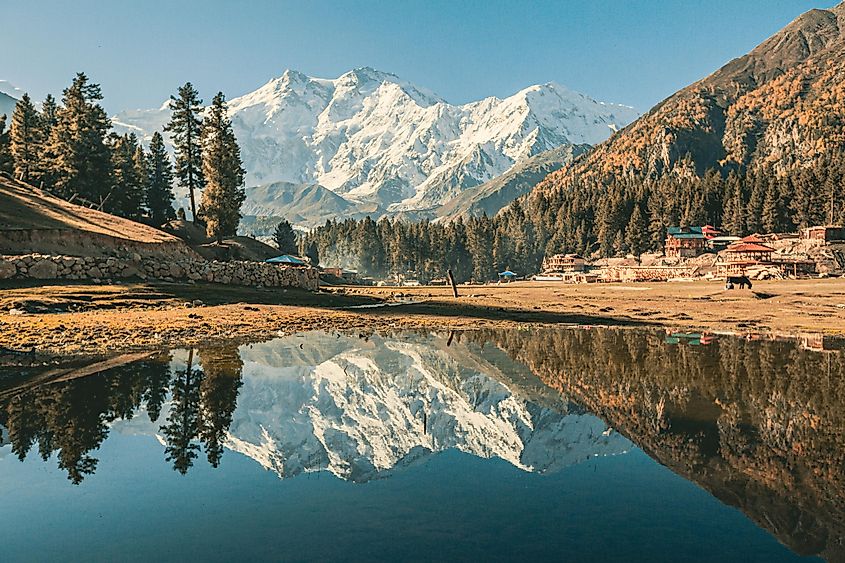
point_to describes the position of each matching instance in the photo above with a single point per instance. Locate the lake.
(544, 444)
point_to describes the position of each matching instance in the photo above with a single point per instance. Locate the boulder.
(7, 270)
(43, 270)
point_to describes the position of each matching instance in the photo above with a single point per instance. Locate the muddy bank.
(69, 319)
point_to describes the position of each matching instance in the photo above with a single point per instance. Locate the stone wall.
(100, 269)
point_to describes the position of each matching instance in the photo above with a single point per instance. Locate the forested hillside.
(756, 146)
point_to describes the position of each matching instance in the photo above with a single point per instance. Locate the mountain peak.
(385, 145)
(10, 89)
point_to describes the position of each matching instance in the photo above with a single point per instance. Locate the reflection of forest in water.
(73, 417)
(760, 424)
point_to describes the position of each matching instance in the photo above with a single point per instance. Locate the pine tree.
(770, 218)
(6, 162)
(313, 253)
(126, 197)
(80, 159)
(47, 121)
(223, 172)
(159, 196)
(25, 140)
(285, 238)
(635, 234)
(185, 129)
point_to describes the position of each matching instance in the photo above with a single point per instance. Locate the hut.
(563, 264)
(824, 233)
(506, 276)
(685, 242)
(288, 260)
(738, 257)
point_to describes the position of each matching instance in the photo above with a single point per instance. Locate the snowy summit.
(375, 139)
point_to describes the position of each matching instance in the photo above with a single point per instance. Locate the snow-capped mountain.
(375, 139)
(9, 96)
(362, 409)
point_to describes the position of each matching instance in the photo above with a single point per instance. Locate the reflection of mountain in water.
(361, 408)
(761, 425)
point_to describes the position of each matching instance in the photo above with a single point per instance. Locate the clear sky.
(635, 52)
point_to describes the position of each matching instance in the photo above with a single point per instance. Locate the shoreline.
(98, 320)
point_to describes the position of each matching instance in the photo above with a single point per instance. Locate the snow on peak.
(376, 139)
(10, 90)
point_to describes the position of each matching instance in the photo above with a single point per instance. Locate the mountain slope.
(783, 104)
(373, 138)
(495, 194)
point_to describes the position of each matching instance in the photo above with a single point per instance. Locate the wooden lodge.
(749, 252)
(686, 242)
(824, 233)
(747, 255)
(563, 264)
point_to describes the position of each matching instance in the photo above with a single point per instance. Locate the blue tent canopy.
(507, 274)
(286, 259)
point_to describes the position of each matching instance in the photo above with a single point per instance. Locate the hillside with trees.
(758, 146)
(69, 150)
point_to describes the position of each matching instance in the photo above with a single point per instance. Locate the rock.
(197, 303)
(7, 270)
(44, 270)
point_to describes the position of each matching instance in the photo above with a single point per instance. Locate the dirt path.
(98, 320)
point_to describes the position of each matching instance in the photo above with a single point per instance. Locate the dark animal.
(741, 281)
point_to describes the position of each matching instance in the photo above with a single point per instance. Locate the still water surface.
(492, 445)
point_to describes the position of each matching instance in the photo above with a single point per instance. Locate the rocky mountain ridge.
(782, 105)
(389, 147)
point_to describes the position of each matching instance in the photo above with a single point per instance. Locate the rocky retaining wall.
(99, 269)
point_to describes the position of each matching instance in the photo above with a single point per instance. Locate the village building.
(563, 263)
(721, 242)
(686, 242)
(824, 233)
(738, 257)
(288, 260)
(349, 276)
(506, 276)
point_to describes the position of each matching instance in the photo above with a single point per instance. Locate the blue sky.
(635, 52)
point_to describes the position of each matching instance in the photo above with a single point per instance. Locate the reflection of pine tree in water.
(202, 406)
(22, 422)
(72, 417)
(78, 419)
(219, 395)
(182, 423)
(157, 387)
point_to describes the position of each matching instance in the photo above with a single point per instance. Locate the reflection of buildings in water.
(821, 342)
(750, 421)
(753, 422)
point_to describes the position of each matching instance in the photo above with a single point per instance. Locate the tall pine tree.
(159, 182)
(6, 162)
(47, 120)
(223, 172)
(185, 128)
(127, 194)
(25, 140)
(285, 238)
(80, 159)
